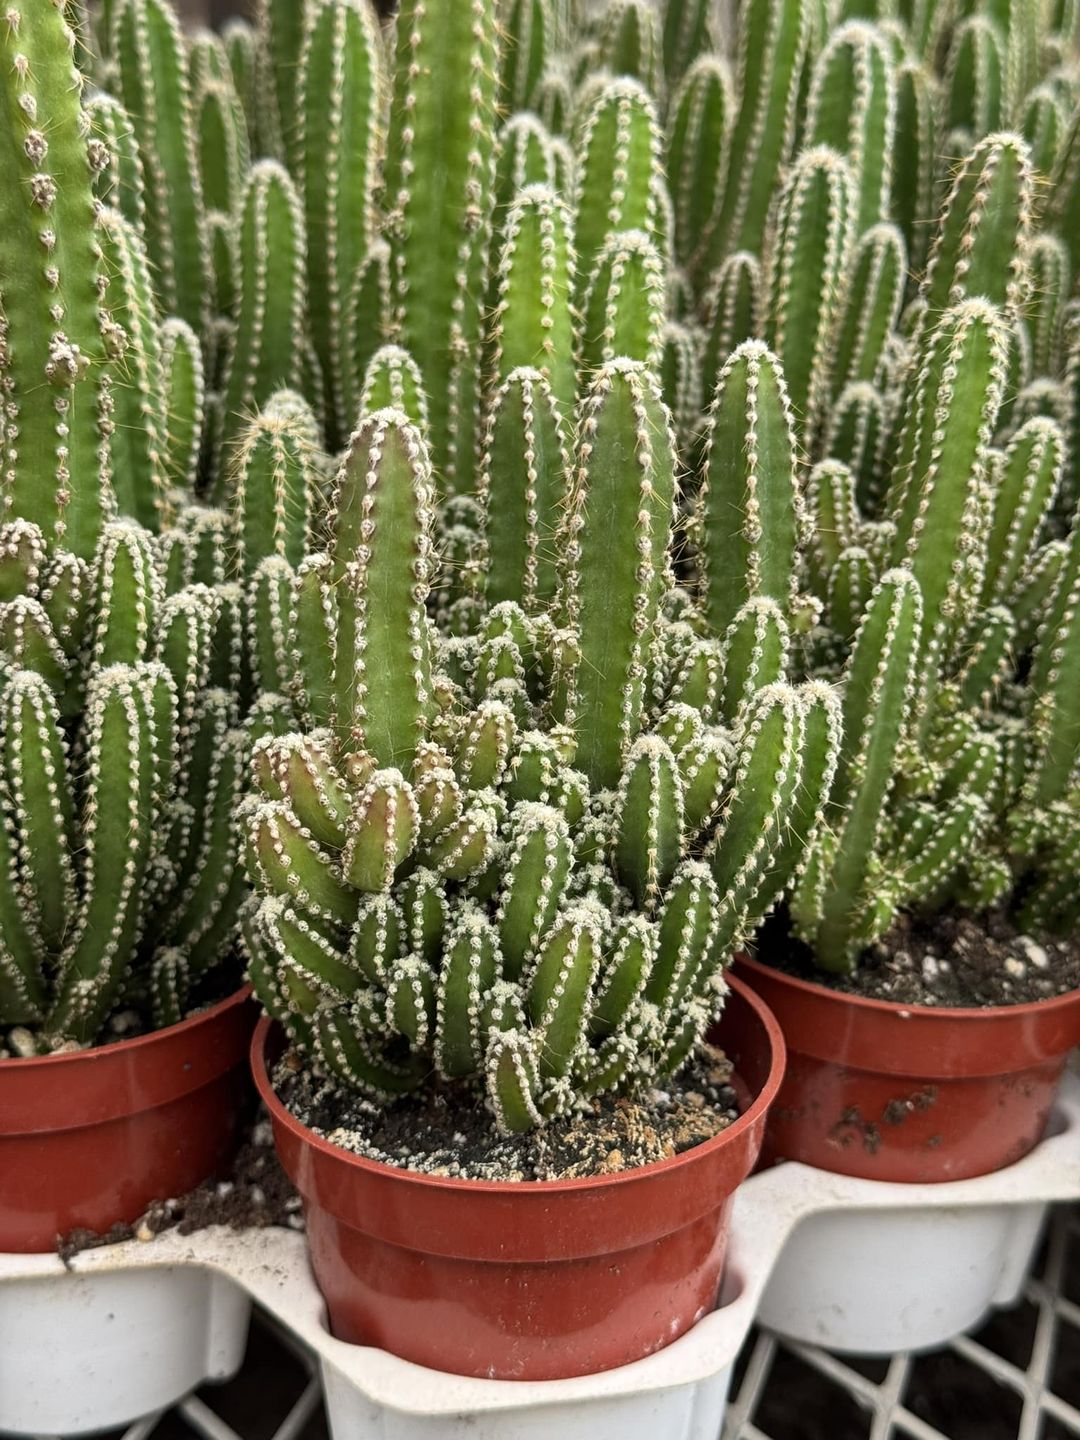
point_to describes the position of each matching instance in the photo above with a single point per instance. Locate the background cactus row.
(706, 537)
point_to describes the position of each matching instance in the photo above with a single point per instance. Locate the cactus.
(619, 165)
(810, 256)
(267, 351)
(55, 337)
(614, 610)
(839, 905)
(155, 88)
(870, 309)
(936, 495)
(773, 36)
(114, 158)
(982, 240)
(532, 323)
(137, 439)
(748, 503)
(338, 101)
(697, 152)
(852, 108)
(442, 135)
(440, 889)
(915, 158)
(523, 489)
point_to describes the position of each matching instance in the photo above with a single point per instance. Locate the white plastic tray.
(853, 1264)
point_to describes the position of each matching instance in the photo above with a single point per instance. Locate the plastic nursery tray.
(851, 1264)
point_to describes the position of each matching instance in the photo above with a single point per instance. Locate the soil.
(447, 1130)
(946, 960)
(257, 1194)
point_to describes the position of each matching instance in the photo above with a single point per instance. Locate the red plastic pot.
(910, 1093)
(530, 1281)
(88, 1140)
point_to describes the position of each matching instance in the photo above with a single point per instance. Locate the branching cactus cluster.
(521, 858)
(706, 538)
(123, 677)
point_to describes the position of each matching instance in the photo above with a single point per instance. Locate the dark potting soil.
(256, 1194)
(948, 960)
(447, 1129)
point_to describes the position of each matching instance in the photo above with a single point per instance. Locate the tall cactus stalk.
(748, 508)
(612, 600)
(811, 254)
(267, 350)
(155, 87)
(339, 98)
(438, 178)
(772, 45)
(55, 337)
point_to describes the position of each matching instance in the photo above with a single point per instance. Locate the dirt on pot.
(949, 960)
(446, 1130)
(256, 1194)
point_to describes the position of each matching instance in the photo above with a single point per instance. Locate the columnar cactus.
(454, 878)
(155, 88)
(772, 45)
(268, 348)
(339, 99)
(55, 336)
(810, 258)
(852, 108)
(442, 135)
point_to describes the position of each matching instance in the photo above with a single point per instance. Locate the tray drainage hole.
(960, 1399)
(796, 1398)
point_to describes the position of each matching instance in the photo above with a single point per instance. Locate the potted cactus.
(123, 745)
(541, 790)
(488, 866)
(938, 902)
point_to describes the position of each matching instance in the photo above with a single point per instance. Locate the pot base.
(86, 1352)
(878, 1281)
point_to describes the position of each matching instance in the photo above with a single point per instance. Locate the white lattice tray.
(856, 1265)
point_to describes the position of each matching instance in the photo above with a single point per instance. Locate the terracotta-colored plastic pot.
(910, 1092)
(530, 1281)
(88, 1140)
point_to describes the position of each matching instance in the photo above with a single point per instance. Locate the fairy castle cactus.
(438, 175)
(810, 258)
(339, 96)
(852, 108)
(155, 88)
(454, 878)
(122, 768)
(268, 348)
(748, 501)
(56, 338)
(772, 43)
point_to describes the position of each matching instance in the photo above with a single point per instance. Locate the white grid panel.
(1017, 1379)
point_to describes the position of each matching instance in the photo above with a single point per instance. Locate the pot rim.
(989, 1013)
(138, 1042)
(752, 1116)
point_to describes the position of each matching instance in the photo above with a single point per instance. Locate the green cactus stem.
(810, 258)
(155, 88)
(267, 350)
(612, 596)
(442, 135)
(339, 97)
(852, 108)
(748, 502)
(773, 35)
(384, 489)
(55, 338)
